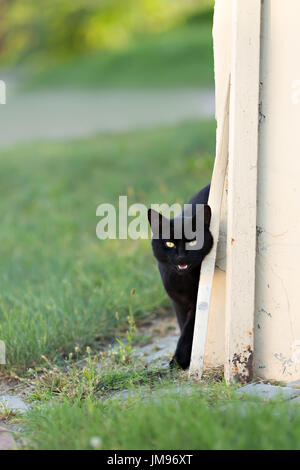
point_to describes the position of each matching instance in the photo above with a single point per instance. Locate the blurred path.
(72, 114)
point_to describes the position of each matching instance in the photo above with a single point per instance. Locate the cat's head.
(180, 254)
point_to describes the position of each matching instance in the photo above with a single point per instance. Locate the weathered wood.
(242, 183)
(208, 265)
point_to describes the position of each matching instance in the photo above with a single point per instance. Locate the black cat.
(180, 269)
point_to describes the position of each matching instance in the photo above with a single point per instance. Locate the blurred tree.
(60, 28)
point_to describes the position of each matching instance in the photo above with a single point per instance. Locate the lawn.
(60, 286)
(180, 57)
(202, 417)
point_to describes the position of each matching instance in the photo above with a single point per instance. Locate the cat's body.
(180, 270)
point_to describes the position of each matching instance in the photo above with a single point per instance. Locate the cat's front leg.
(182, 311)
(183, 352)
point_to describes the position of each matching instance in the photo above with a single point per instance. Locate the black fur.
(182, 285)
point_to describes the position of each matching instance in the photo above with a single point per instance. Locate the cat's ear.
(207, 215)
(156, 221)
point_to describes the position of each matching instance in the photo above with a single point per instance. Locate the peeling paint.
(285, 362)
(262, 310)
(202, 306)
(259, 231)
(243, 365)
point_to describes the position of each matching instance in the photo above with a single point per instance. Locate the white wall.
(277, 292)
(277, 316)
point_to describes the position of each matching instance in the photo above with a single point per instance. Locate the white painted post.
(208, 265)
(242, 187)
(262, 283)
(277, 319)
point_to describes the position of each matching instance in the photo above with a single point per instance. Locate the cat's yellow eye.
(170, 244)
(193, 243)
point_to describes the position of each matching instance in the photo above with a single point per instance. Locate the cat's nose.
(181, 254)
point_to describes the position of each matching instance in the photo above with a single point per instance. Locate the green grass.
(136, 407)
(60, 285)
(84, 380)
(205, 418)
(179, 57)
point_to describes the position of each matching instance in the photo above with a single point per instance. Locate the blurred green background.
(108, 42)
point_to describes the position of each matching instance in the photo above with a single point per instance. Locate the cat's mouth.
(182, 267)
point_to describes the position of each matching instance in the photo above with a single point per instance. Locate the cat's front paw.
(180, 362)
(173, 364)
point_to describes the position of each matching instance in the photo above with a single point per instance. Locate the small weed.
(124, 353)
(6, 414)
(76, 382)
(120, 380)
